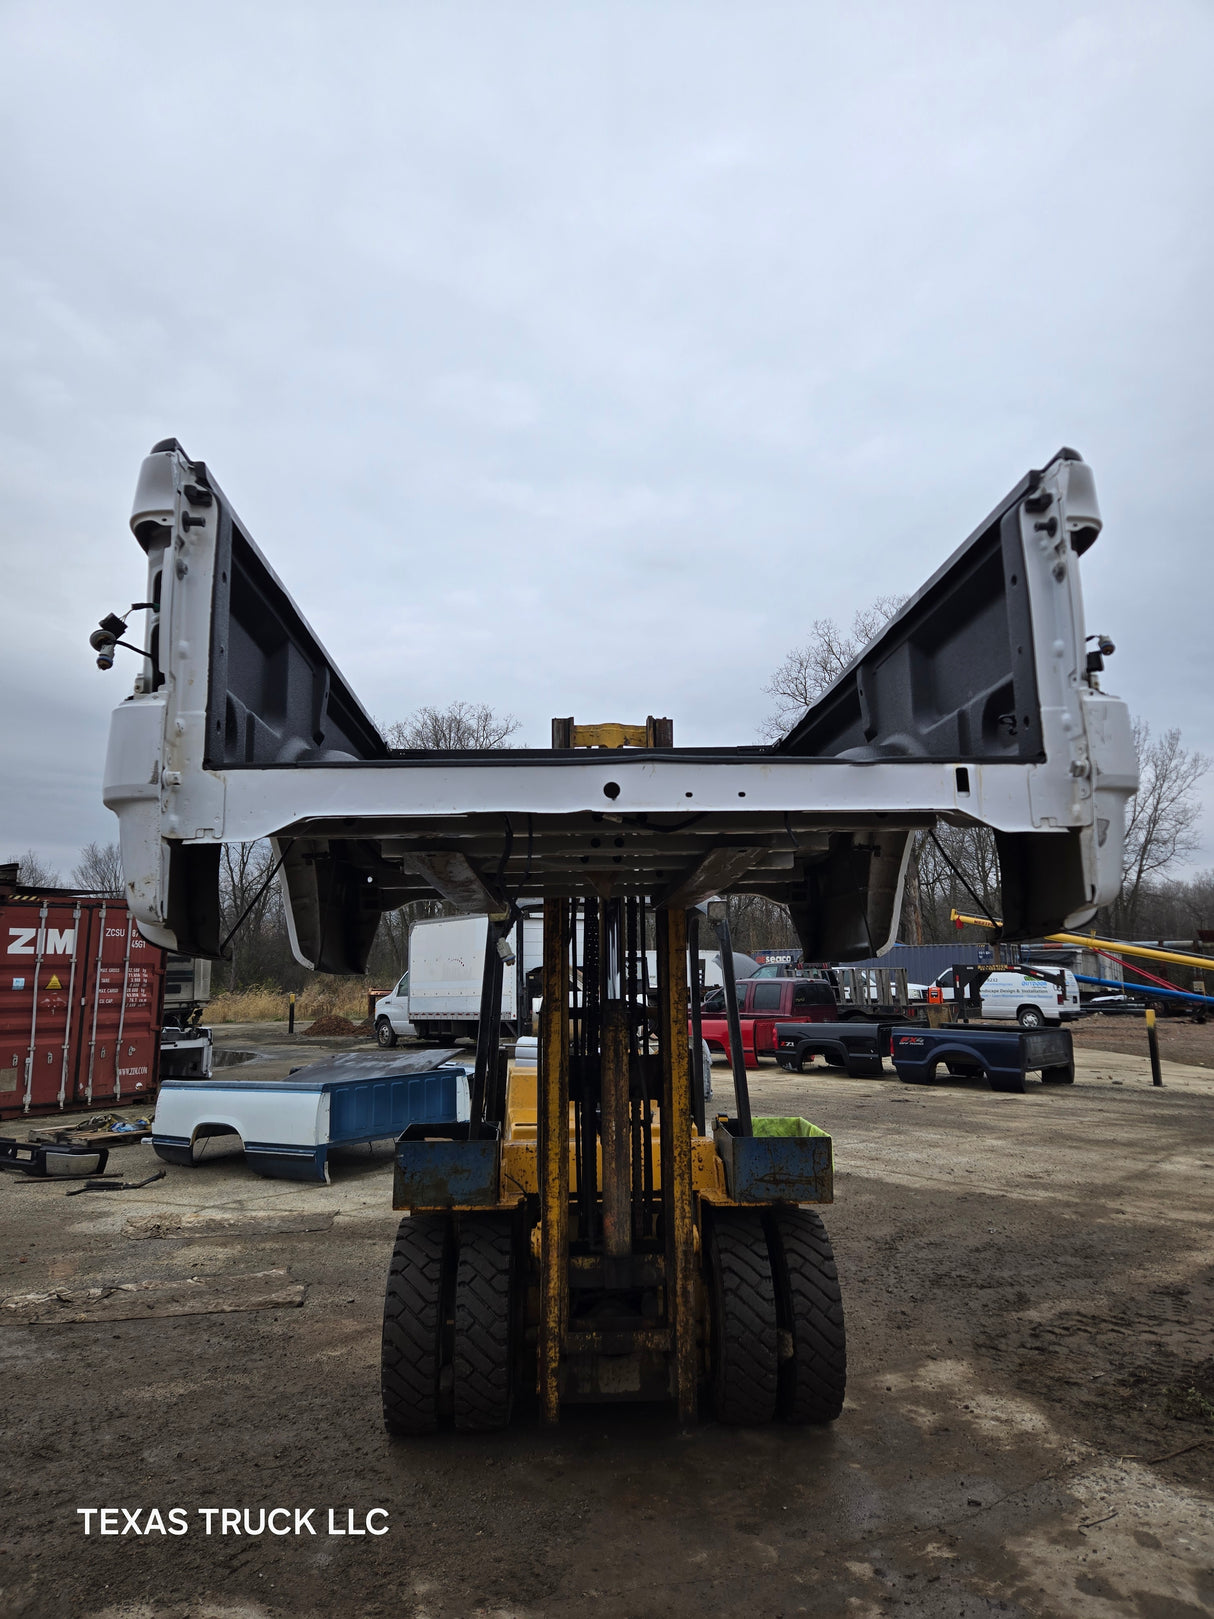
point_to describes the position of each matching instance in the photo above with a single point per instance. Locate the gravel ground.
(1029, 1287)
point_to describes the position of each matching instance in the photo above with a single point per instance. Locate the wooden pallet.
(87, 1138)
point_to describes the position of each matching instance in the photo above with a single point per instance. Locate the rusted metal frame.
(646, 1099)
(737, 1057)
(697, 1034)
(553, 1142)
(614, 1131)
(592, 1029)
(126, 978)
(619, 1340)
(676, 1158)
(450, 874)
(711, 873)
(635, 1068)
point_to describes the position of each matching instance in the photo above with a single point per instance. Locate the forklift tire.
(482, 1358)
(813, 1378)
(385, 1033)
(415, 1310)
(745, 1340)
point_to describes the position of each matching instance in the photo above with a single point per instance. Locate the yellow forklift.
(589, 1232)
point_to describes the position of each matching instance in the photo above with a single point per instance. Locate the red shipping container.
(80, 1004)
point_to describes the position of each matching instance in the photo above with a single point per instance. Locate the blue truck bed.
(1005, 1056)
(287, 1126)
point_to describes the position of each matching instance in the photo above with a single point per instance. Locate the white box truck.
(440, 995)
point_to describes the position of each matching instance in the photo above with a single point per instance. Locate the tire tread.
(745, 1371)
(813, 1381)
(482, 1357)
(413, 1321)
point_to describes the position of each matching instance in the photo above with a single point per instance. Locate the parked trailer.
(80, 997)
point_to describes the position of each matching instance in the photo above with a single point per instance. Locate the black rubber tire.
(415, 1313)
(1029, 1017)
(385, 1033)
(483, 1348)
(793, 1065)
(809, 1306)
(745, 1339)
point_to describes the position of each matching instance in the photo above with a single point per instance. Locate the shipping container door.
(43, 946)
(120, 1011)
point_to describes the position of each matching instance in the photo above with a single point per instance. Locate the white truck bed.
(975, 704)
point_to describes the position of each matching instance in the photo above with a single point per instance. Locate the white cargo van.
(1031, 1001)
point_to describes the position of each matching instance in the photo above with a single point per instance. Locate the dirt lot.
(1180, 1040)
(1030, 1292)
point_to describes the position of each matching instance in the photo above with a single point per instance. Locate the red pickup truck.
(762, 1003)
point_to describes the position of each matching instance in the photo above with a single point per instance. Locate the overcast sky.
(576, 358)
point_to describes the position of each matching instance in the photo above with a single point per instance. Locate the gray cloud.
(576, 359)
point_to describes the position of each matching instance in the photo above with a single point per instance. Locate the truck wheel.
(415, 1310)
(384, 1032)
(1029, 1017)
(482, 1357)
(744, 1332)
(809, 1306)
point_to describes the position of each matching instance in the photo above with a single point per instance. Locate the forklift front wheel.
(483, 1351)
(415, 1313)
(745, 1337)
(813, 1377)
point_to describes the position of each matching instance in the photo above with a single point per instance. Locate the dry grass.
(323, 997)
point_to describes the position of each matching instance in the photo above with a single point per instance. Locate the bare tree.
(99, 869)
(757, 923)
(813, 668)
(459, 725)
(245, 891)
(34, 872)
(1161, 828)
(956, 870)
